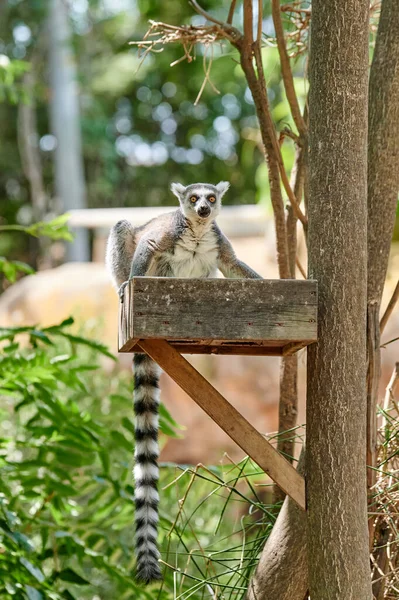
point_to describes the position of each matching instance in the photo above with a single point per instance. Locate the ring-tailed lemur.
(183, 243)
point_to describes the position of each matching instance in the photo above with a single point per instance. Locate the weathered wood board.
(220, 316)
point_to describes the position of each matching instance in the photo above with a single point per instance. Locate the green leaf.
(121, 441)
(75, 339)
(35, 333)
(35, 571)
(128, 425)
(66, 595)
(23, 541)
(167, 424)
(10, 268)
(163, 412)
(62, 358)
(71, 576)
(104, 457)
(33, 593)
(73, 458)
(55, 229)
(62, 325)
(167, 429)
(62, 489)
(12, 347)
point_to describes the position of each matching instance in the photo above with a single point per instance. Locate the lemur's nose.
(204, 211)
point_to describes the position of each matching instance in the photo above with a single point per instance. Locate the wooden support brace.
(227, 417)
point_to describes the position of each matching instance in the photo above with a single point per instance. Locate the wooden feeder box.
(166, 317)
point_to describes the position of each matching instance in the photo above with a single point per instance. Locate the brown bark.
(338, 557)
(282, 571)
(269, 141)
(28, 142)
(28, 145)
(383, 186)
(288, 406)
(288, 401)
(383, 149)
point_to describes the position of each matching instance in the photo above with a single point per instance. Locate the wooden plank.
(227, 350)
(293, 347)
(282, 311)
(125, 341)
(228, 418)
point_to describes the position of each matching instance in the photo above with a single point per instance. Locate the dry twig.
(389, 308)
(386, 503)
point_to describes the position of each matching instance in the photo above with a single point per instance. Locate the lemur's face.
(201, 201)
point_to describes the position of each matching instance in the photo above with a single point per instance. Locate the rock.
(82, 290)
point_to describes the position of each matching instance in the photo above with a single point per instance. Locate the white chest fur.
(195, 255)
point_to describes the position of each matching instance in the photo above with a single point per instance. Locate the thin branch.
(300, 267)
(286, 69)
(269, 124)
(230, 32)
(292, 220)
(389, 394)
(290, 193)
(27, 135)
(207, 70)
(271, 150)
(205, 14)
(260, 20)
(248, 23)
(231, 12)
(286, 132)
(389, 308)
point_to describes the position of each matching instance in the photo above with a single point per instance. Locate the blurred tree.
(65, 123)
(141, 129)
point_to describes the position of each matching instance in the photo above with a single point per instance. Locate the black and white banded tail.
(146, 403)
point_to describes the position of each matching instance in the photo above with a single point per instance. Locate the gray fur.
(183, 243)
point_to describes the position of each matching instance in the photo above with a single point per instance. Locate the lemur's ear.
(222, 187)
(178, 189)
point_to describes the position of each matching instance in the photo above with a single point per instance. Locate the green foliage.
(66, 490)
(56, 229)
(11, 71)
(11, 268)
(66, 494)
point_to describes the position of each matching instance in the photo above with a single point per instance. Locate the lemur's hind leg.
(120, 250)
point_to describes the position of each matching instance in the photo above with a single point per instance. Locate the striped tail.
(146, 402)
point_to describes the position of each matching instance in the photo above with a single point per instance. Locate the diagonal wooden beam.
(227, 417)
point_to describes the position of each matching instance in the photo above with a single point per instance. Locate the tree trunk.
(28, 145)
(64, 104)
(282, 573)
(336, 408)
(383, 186)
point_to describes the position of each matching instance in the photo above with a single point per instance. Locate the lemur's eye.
(193, 199)
(212, 199)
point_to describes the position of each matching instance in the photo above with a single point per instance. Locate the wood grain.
(213, 312)
(227, 417)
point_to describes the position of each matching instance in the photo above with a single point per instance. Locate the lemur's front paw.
(121, 291)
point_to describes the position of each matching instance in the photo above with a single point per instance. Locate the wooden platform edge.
(228, 418)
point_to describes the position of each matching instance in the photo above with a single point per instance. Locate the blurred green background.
(140, 128)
